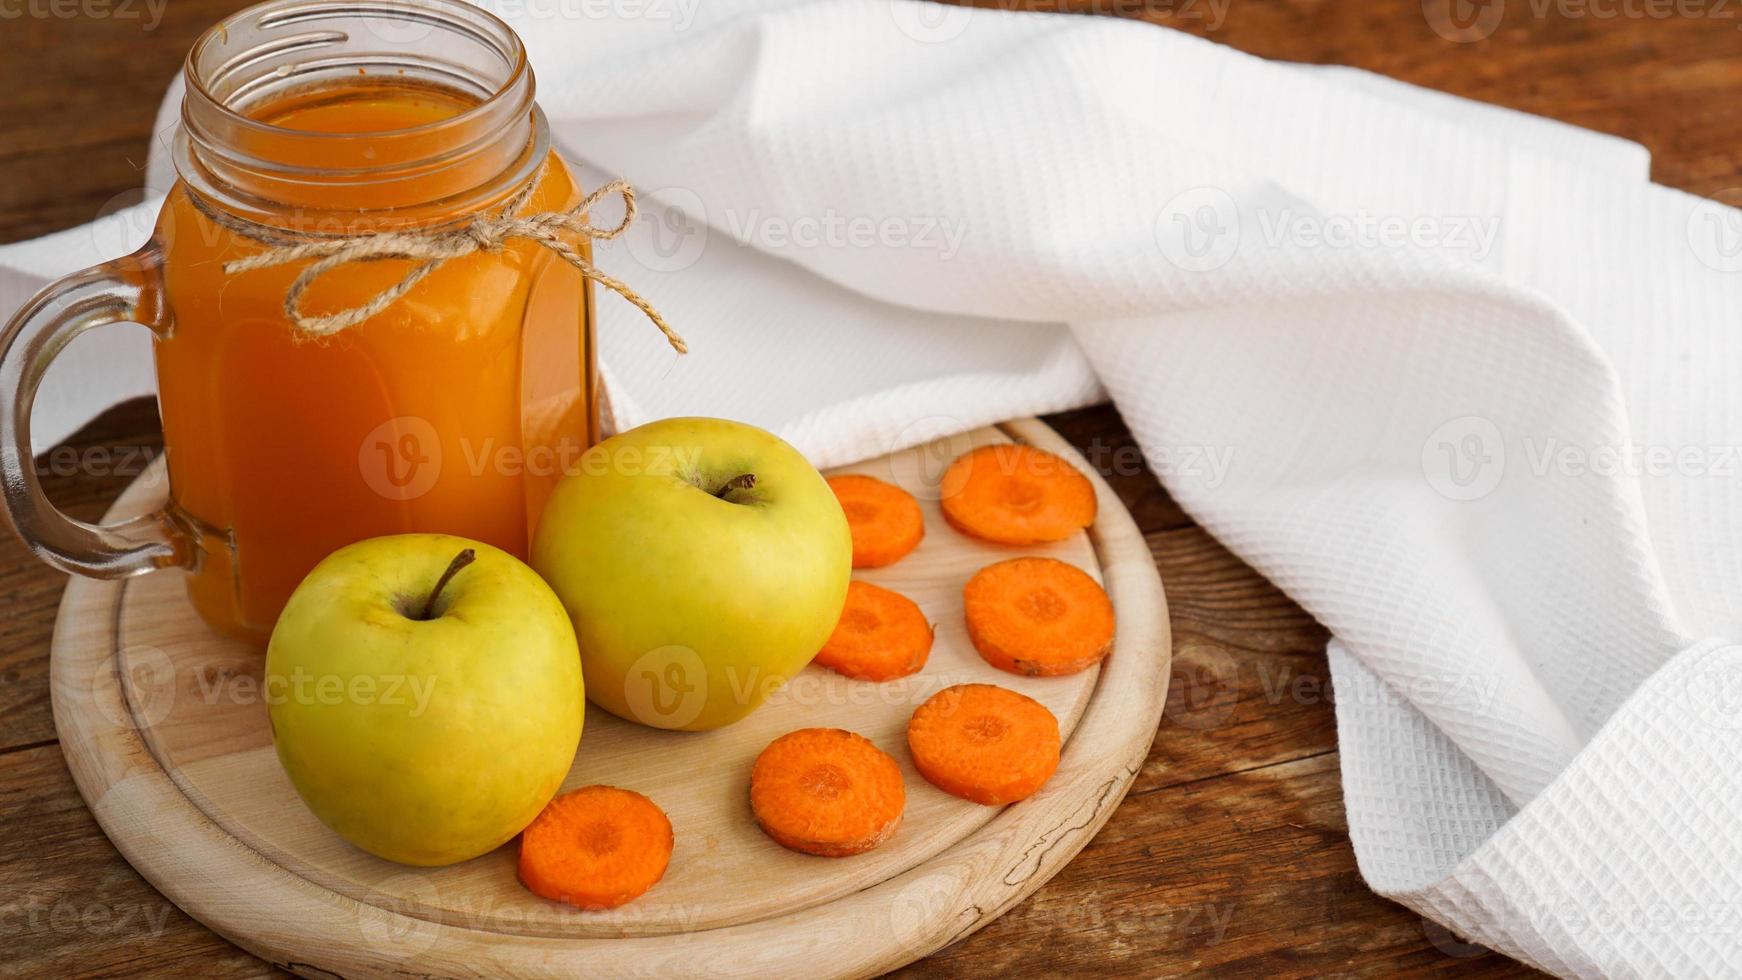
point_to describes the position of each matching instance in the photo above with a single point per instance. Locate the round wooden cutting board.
(164, 728)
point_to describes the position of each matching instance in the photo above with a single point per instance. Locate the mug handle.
(127, 289)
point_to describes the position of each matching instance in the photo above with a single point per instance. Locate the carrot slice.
(882, 635)
(826, 791)
(984, 743)
(885, 519)
(1038, 616)
(1016, 495)
(595, 847)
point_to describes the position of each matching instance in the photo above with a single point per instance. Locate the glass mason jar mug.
(450, 409)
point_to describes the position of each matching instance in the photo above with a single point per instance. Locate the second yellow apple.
(703, 562)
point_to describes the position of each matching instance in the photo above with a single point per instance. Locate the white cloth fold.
(1474, 378)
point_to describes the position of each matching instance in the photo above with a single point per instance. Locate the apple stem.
(743, 481)
(460, 561)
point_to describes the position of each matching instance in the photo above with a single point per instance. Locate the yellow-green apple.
(425, 696)
(703, 562)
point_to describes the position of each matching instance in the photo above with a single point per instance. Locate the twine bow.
(486, 233)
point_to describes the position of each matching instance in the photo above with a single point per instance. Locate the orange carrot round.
(885, 520)
(826, 791)
(882, 635)
(984, 743)
(595, 847)
(1038, 616)
(1013, 494)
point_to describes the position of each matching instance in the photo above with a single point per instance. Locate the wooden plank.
(70, 904)
(1243, 875)
(78, 98)
(1667, 81)
(83, 476)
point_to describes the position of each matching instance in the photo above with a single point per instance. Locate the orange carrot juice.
(453, 410)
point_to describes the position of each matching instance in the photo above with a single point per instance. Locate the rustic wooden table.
(1231, 852)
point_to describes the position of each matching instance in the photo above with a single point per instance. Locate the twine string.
(431, 250)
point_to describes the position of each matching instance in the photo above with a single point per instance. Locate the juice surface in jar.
(454, 410)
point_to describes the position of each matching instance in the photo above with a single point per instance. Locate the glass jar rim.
(278, 12)
(253, 167)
